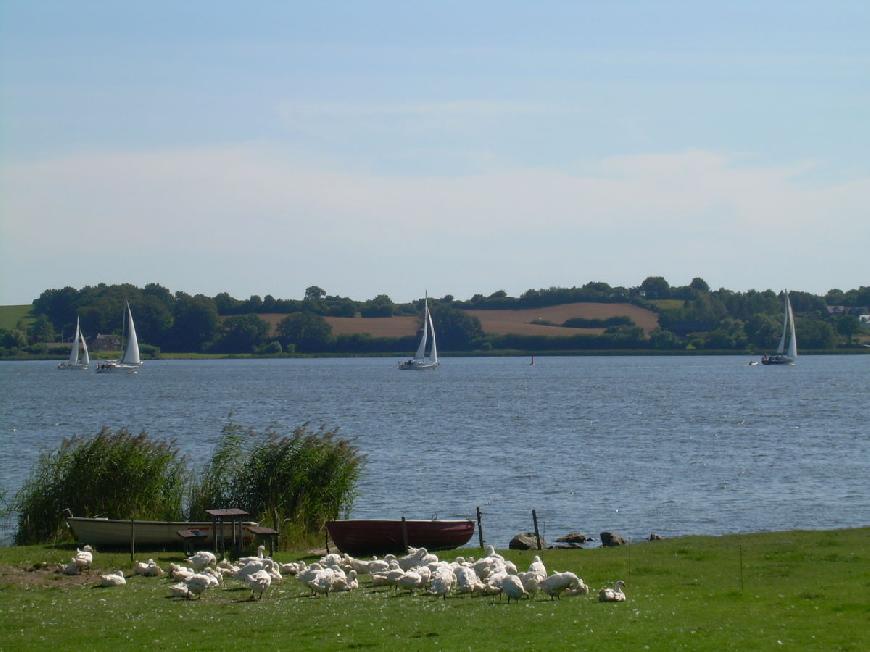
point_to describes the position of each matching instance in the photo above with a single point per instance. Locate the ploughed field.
(766, 591)
(495, 322)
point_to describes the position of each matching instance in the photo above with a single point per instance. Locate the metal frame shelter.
(233, 516)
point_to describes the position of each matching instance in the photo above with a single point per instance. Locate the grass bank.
(799, 591)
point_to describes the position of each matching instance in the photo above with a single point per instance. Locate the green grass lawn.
(10, 315)
(801, 591)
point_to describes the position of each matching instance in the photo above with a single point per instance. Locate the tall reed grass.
(295, 482)
(114, 474)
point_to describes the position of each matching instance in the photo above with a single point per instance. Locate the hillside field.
(494, 322)
(10, 315)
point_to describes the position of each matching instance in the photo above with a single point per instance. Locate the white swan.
(443, 580)
(179, 590)
(537, 567)
(83, 559)
(614, 594)
(148, 569)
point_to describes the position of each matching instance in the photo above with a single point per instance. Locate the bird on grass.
(614, 594)
(259, 583)
(113, 579)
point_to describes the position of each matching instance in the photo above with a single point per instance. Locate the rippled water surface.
(632, 444)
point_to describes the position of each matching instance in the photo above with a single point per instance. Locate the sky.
(449, 147)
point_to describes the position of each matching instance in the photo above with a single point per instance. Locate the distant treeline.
(690, 317)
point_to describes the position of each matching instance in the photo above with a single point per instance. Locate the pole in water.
(537, 533)
(479, 528)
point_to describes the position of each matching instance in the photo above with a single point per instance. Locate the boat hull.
(114, 367)
(109, 532)
(415, 366)
(777, 360)
(361, 537)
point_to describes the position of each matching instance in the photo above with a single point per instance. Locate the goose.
(113, 579)
(410, 580)
(259, 583)
(614, 594)
(217, 578)
(261, 554)
(148, 569)
(291, 568)
(578, 589)
(512, 587)
(556, 583)
(198, 583)
(253, 566)
(467, 580)
(537, 567)
(442, 582)
(378, 566)
(394, 576)
(181, 573)
(332, 559)
(202, 559)
(83, 559)
(179, 590)
(72, 568)
(346, 583)
(322, 582)
(380, 580)
(531, 582)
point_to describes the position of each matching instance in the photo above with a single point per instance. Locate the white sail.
(781, 348)
(74, 352)
(792, 342)
(421, 350)
(434, 352)
(86, 359)
(131, 352)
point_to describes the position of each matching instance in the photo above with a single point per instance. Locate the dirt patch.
(521, 322)
(43, 577)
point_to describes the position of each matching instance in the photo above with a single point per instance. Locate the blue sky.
(393, 147)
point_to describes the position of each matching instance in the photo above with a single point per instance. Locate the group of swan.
(81, 561)
(334, 573)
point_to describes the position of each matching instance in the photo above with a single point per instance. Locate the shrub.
(295, 482)
(114, 474)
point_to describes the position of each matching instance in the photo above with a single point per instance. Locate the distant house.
(105, 342)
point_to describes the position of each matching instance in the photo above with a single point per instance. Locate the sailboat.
(783, 355)
(420, 362)
(78, 355)
(130, 360)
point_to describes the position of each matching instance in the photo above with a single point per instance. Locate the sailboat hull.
(77, 367)
(111, 366)
(413, 365)
(777, 359)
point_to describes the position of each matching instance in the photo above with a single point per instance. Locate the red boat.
(366, 537)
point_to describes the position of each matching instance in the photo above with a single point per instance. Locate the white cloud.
(250, 219)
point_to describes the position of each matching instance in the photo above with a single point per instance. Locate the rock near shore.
(526, 541)
(611, 539)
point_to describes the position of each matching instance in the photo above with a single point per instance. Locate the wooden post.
(479, 528)
(132, 541)
(327, 542)
(405, 534)
(214, 533)
(537, 534)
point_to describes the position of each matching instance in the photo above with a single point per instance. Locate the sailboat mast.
(781, 348)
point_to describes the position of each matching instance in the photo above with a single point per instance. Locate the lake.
(675, 445)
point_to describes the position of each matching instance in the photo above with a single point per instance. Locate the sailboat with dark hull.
(785, 355)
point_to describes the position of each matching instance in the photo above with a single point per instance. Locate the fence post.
(537, 533)
(132, 541)
(479, 528)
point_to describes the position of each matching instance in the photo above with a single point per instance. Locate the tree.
(12, 339)
(40, 330)
(456, 329)
(656, 287)
(242, 334)
(196, 323)
(314, 293)
(498, 294)
(699, 284)
(380, 306)
(307, 331)
(662, 339)
(848, 326)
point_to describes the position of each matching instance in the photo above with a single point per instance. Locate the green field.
(792, 591)
(10, 315)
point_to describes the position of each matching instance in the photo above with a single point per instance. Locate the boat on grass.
(78, 355)
(368, 537)
(116, 533)
(783, 355)
(420, 362)
(130, 360)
